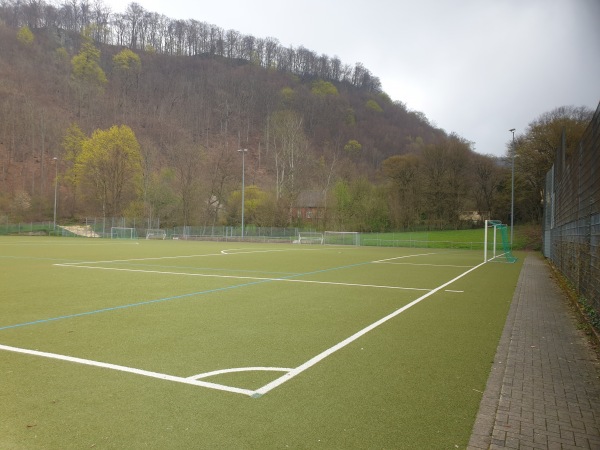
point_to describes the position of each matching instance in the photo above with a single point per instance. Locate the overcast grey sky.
(473, 67)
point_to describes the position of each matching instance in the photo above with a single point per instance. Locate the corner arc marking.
(239, 369)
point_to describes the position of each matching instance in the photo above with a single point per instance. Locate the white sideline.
(311, 362)
(419, 264)
(146, 373)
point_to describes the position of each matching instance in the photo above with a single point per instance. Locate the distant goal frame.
(309, 237)
(123, 233)
(341, 238)
(156, 233)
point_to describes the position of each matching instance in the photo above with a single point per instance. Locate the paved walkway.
(544, 388)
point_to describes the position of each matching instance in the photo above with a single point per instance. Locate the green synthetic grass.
(413, 382)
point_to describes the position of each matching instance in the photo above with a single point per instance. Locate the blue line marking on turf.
(115, 308)
(166, 299)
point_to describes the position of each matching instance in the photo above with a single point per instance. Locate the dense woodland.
(139, 115)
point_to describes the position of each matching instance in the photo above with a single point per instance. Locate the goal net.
(341, 238)
(305, 237)
(156, 234)
(497, 245)
(123, 233)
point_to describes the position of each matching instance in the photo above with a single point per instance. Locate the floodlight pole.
(243, 152)
(55, 189)
(512, 190)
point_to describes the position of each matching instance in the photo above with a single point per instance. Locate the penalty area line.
(240, 277)
(401, 257)
(421, 264)
(318, 358)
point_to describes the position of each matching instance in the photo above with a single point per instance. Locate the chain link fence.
(572, 214)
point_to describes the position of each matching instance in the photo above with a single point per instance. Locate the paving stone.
(544, 388)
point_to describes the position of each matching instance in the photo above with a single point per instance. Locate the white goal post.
(306, 237)
(341, 238)
(506, 246)
(123, 233)
(156, 233)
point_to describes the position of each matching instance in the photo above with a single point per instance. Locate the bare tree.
(487, 179)
(535, 151)
(290, 154)
(133, 16)
(186, 159)
(219, 167)
(404, 174)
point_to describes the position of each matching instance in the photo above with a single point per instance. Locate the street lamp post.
(55, 189)
(512, 190)
(243, 152)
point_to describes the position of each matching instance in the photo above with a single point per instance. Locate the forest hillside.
(138, 115)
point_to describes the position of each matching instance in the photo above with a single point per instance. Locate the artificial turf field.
(175, 344)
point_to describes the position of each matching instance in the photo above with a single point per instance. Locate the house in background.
(474, 217)
(309, 207)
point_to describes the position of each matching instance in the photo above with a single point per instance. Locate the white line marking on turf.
(291, 280)
(402, 257)
(289, 373)
(240, 251)
(142, 259)
(353, 284)
(311, 362)
(418, 264)
(239, 369)
(161, 376)
(194, 380)
(221, 253)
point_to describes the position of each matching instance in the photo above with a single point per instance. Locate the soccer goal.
(493, 253)
(156, 234)
(123, 233)
(305, 237)
(341, 238)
